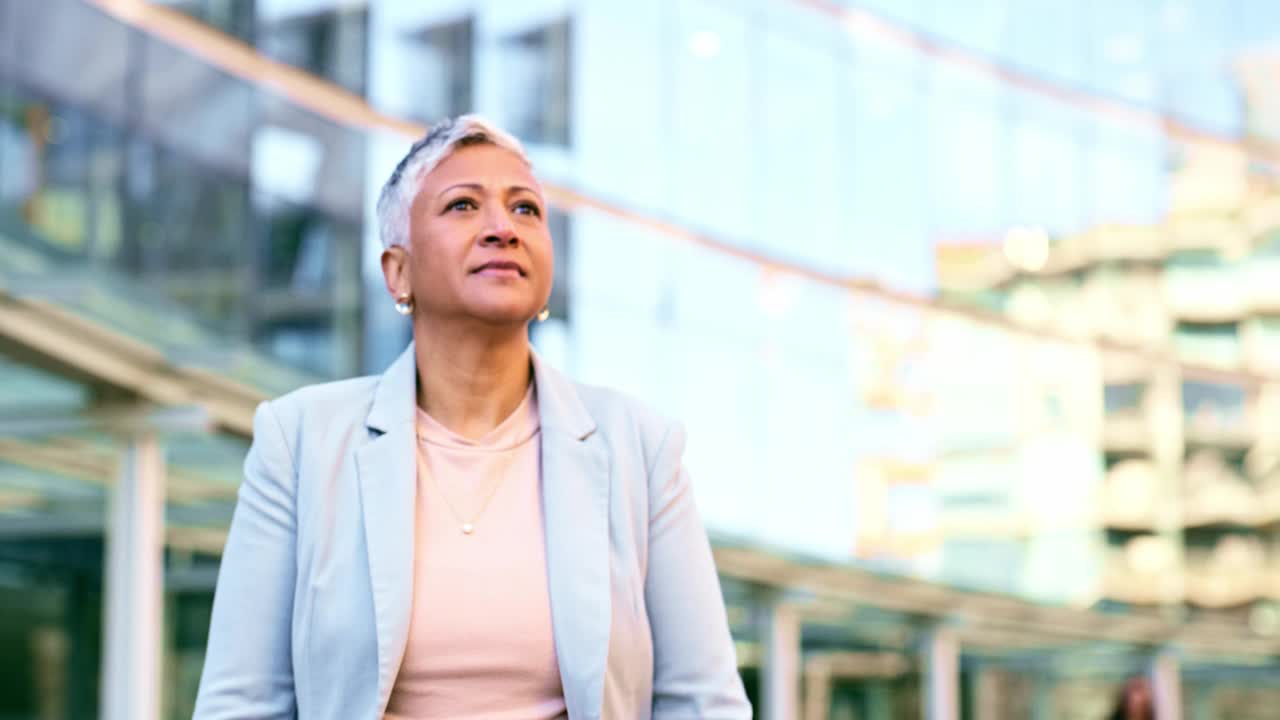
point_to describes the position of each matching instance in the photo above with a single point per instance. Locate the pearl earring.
(404, 304)
(543, 314)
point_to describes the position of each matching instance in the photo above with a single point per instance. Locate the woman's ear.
(395, 270)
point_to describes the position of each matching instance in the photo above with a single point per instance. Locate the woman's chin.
(503, 315)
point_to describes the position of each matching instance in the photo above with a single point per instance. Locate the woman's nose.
(499, 230)
(503, 236)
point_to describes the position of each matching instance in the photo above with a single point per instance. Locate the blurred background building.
(972, 311)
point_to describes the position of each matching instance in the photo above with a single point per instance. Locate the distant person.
(470, 534)
(1135, 701)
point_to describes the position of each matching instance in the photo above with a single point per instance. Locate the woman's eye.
(461, 204)
(528, 208)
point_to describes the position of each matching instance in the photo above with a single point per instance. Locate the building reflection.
(969, 311)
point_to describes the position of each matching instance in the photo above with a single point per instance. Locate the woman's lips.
(500, 268)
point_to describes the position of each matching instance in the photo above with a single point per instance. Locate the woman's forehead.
(488, 166)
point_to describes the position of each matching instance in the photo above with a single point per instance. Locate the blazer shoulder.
(618, 412)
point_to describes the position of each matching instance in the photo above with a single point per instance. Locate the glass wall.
(806, 201)
(164, 205)
(188, 189)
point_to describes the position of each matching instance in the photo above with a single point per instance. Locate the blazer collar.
(559, 406)
(575, 504)
(395, 396)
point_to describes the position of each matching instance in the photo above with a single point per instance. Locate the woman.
(469, 535)
(1134, 702)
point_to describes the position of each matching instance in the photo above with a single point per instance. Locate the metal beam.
(975, 614)
(125, 419)
(56, 338)
(859, 665)
(822, 669)
(78, 459)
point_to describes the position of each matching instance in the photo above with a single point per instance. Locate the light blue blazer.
(311, 612)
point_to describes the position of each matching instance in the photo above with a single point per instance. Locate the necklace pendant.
(468, 528)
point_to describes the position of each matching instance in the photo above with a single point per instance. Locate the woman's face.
(479, 246)
(1137, 698)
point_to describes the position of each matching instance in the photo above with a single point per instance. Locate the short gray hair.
(440, 141)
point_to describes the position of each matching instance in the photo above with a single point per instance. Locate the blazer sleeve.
(695, 673)
(248, 668)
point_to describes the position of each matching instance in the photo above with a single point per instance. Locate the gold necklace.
(468, 526)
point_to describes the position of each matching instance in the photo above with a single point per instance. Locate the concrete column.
(780, 671)
(817, 689)
(987, 694)
(940, 660)
(134, 585)
(1166, 685)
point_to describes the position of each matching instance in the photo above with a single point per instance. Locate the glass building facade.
(821, 234)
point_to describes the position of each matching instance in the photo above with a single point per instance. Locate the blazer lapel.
(387, 468)
(575, 498)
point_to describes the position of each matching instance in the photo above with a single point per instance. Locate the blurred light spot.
(704, 44)
(1027, 248)
(1150, 554)
(285, 163)
(1123, 49)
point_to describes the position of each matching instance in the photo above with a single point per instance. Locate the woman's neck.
(467, 381)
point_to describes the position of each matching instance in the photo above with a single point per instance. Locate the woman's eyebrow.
(477, 187)
(468, 186)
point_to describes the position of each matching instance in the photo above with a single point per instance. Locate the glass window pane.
(537, 94)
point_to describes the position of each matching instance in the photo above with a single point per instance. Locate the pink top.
(480, 642)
